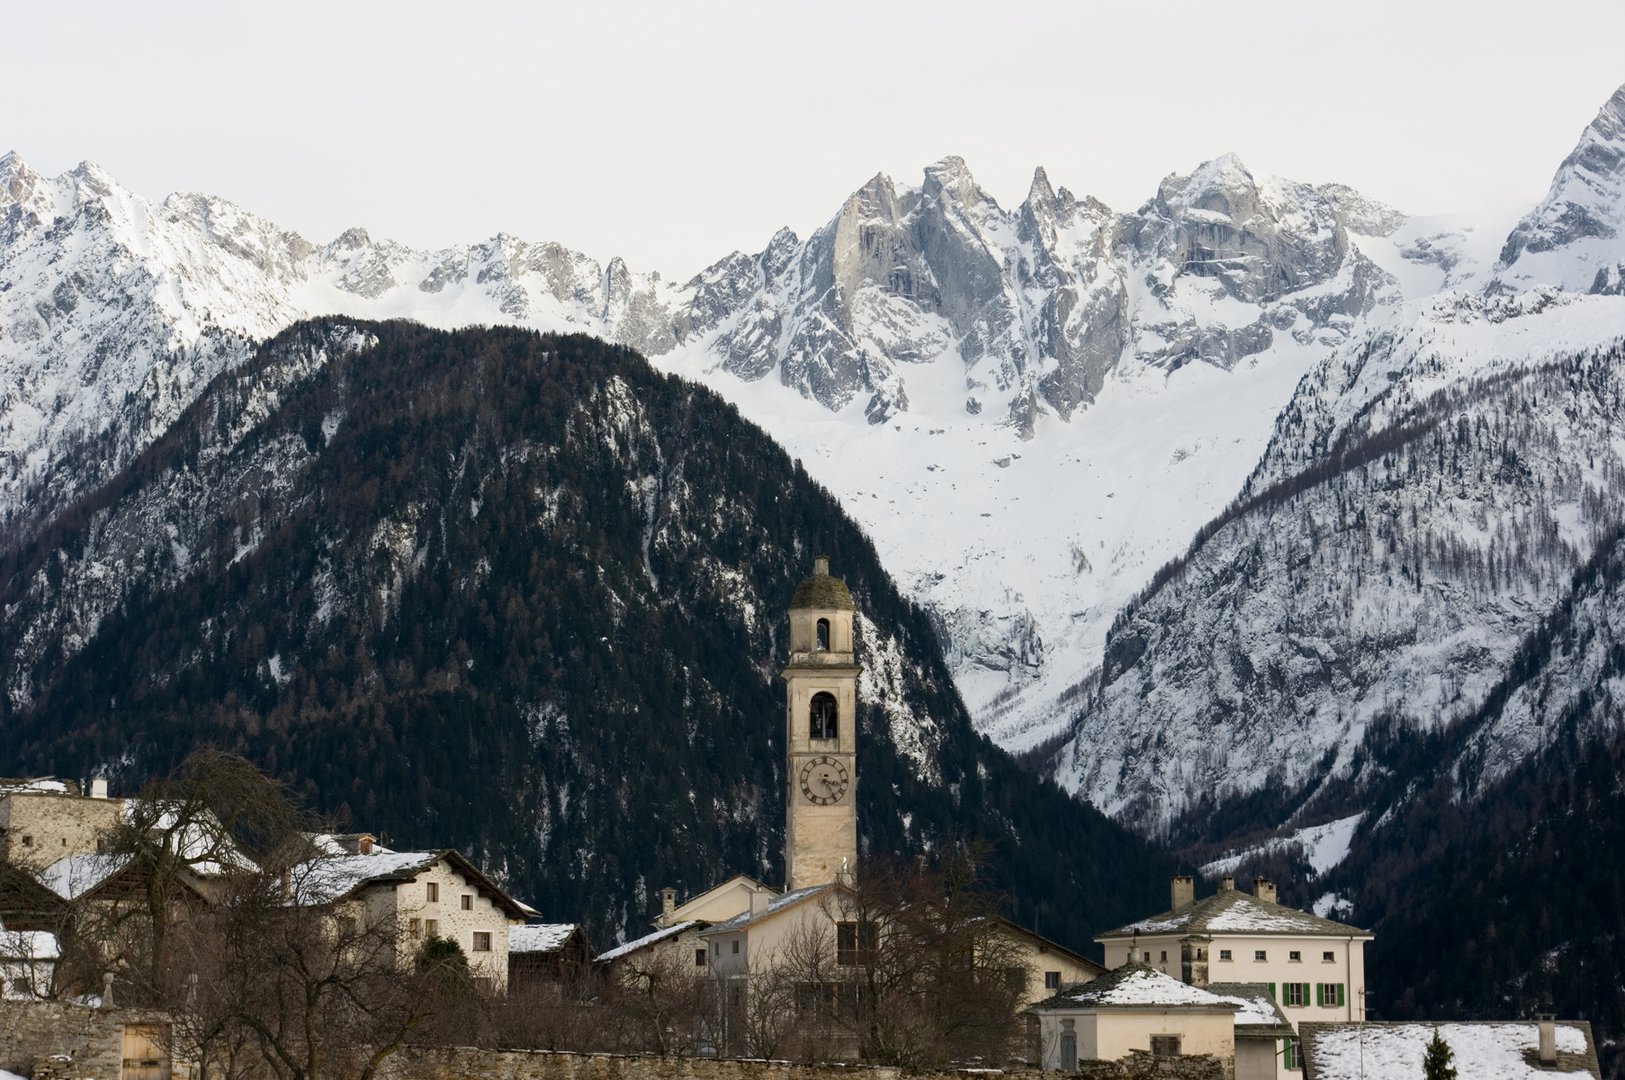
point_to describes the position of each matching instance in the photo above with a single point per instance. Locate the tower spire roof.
(822, 590)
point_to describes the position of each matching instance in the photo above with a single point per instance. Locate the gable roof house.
(1134, 1010)
(420, 894)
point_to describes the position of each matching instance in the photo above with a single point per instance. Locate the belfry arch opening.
(823, 721)
(821, 636)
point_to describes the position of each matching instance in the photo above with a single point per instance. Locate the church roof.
(1231, 911)
(823, 591)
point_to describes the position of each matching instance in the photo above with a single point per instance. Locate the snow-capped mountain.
(1575, 237)
(1423, 503)
(945, 365)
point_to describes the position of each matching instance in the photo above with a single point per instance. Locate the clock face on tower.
(824, 780)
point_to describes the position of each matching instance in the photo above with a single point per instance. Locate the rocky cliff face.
(931, 310)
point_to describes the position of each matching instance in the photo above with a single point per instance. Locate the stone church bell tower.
(821, 680)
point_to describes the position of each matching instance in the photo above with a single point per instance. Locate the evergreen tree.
(1437, 1064)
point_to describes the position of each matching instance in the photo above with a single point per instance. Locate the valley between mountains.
(1276, 524)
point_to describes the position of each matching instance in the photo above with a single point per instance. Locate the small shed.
(547, 954)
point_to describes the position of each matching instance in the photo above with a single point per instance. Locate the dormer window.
(822, 637)
(823, 717)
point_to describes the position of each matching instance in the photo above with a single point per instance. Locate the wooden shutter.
(1341, 1001)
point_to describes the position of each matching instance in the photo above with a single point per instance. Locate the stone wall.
(460, 1063)
(59, 1041)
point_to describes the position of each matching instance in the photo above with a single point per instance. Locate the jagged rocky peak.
(1360, 213)
(1573, 239)
(1259, 238)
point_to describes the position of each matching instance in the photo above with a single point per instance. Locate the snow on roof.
(1134, 986)
(25, 945)
(1257, 1005)
(1483, 1051)
(44, 785)
(332, 878)
(778, 904)
(539, 938)
(71, 876)
(646, 940)
(1231, 911)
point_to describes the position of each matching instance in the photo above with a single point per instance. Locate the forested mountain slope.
(1495, 884)
(1388, 583)
(518, 594)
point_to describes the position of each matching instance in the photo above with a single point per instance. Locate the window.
(1052, 980)
(414, 927)
(699, 957)
(1328, 957)
(1295, 956)
(1164, 959)
(28, 841)
(736, 946)
(468, 902)
(1224, 954)
(482, 941)
(1015, 979)
(856, 943)
(1330, 995)
(823, 635)
(432, 927)
(1291, 1054)
(1259, 956)
(823, 719)
(1165, 1046)
(431, 892)
(1295, 994)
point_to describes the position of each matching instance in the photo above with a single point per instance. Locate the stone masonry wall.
(70, 1042)
(461, 1063)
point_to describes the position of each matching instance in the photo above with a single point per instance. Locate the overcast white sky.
(673, 133)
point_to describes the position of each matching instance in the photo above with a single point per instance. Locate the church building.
(739, 925)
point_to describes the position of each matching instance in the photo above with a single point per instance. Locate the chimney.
(98, 787)
(1547, 1053)
(1227, 884)
(1264, 889)
(821, 566)
(356, 843)
(759, 899)
(668, 903)
(1181, 892)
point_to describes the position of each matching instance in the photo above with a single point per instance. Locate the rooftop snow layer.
(541, 938)
(1231, 911)
(71, 876)
(745, 918)
(1257, 1005)
(646, 940)
(1483, 1051)
(1135, 986)
(322, 881)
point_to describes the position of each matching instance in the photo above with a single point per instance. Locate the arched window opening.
(823, 635)
(823, 724)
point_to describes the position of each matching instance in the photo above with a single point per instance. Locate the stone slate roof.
(1482, 1050)
(1259, 1014)
(1134, 986)
(823, 591)
(1231, 911)
(778, 904)
(649, 939)
(540, 937)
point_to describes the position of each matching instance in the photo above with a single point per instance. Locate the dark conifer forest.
(516, 594)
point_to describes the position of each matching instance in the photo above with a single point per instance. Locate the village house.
(420, 894)
(1133, 1009)
(1313, 967)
